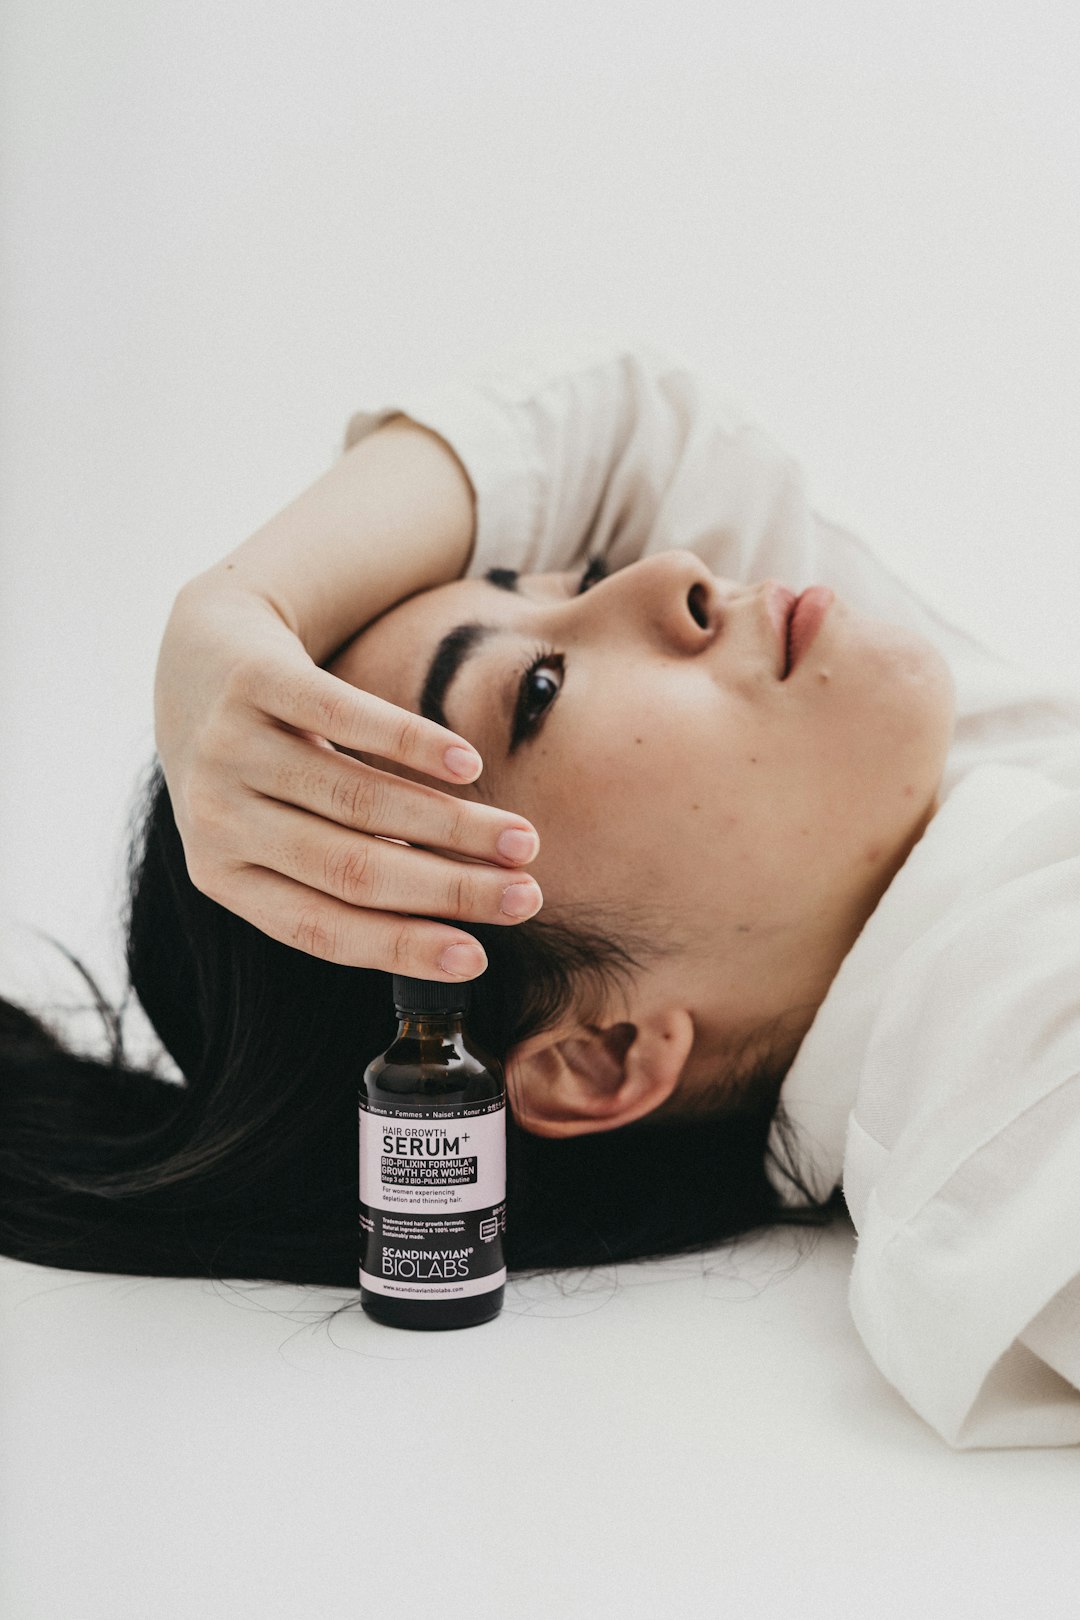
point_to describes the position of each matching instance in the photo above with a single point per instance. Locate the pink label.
(432, 1200)
(431, 1162)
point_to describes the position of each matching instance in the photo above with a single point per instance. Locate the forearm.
(395, 515)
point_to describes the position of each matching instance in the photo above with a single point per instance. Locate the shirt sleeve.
(586, 442)
(572, 445)
(1054, 1335)
(594, 443)
(931, 1318)
(965, 1286)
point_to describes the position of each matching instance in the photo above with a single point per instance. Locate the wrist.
(229, 583)
(395, 515)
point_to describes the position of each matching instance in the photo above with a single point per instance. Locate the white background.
(228, 225)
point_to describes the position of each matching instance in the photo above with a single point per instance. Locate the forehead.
(390, 656)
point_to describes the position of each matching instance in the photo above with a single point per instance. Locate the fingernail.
(521, 900)
(462, 960)
(517, 844)
(463, 762)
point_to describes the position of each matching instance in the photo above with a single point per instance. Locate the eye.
(540, 687)
(541, 679)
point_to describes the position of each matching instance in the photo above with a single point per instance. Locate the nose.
(671, 597)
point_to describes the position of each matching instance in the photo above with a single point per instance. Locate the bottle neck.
(430, 1023)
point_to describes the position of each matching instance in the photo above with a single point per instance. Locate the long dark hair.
(248, 1169)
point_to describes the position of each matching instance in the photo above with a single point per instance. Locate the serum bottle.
(432, 1121)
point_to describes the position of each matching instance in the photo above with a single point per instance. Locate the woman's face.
(667, 766)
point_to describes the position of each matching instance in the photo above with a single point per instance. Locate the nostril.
(697, 601)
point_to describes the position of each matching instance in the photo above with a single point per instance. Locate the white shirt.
(940, 1078)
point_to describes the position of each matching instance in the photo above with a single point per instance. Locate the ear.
(580, 1078)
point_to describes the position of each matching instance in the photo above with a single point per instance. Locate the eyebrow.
(450, 657)
(454, 651)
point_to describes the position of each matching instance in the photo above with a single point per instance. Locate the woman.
(780, 902)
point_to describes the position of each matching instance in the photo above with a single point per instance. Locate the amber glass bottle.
(432, 1119)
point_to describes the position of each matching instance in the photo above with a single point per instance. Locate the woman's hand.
(292, 835)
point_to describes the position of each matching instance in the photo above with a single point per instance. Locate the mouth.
(787, 640)
(781, 604)
(805, 616)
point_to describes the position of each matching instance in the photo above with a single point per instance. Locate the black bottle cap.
(430, 995)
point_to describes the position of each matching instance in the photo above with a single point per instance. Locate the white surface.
(222, 226)
(702, 1437)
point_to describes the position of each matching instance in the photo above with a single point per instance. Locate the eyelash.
(597, 568)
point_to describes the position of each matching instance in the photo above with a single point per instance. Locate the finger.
(328, 928)
(314, 700)
(280, 765)
(373, 872)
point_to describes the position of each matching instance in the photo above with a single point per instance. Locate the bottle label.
(432, 1200)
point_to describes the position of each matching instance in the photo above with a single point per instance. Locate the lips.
(787, 639)
(781, 604)
(795, 620)
(805, 621)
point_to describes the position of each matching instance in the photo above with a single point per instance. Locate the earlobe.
(577, 1079)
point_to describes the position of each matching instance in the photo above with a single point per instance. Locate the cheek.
(626, 723)
(902, 710)
(653, 773)
(667, 751)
